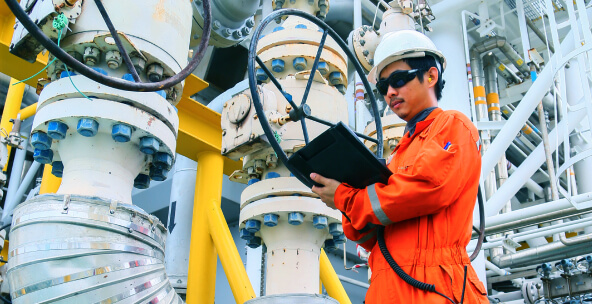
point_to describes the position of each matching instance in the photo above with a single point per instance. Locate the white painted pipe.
(530, 165)
(523, 111)
(15, 177)
(352, 281)
(18, 197)
(530, 184)
(179, 221)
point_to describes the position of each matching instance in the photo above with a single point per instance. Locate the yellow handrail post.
(331, 281)
(14, 98)
(201, 281)
(49, 182)
(229, 257)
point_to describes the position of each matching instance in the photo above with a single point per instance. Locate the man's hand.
(327, 192)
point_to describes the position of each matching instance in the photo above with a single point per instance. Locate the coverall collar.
(423, 114)
(419, 127)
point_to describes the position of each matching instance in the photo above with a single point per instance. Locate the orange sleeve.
(436, 180)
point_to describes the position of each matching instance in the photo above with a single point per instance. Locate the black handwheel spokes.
(314, 68)
(113, 82)
(276, 83)
(303, 112)
(122, 51)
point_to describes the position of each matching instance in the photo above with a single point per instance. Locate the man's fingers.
(319, 178)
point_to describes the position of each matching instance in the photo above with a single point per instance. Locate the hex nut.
(295, 218)
(237, 34)
(320, 222)
(40, 140)
(91, 56)
(341, 88)
(245, 31)
(158, 174)
(149, 145)
(250, 22)
(335, 229)
(226, 32)
(43, 156)
(139, 63)
(336, 78)
(57, 130)
(339, 239)
(57, 168)
(155, 72)
(253, 226)
(330, 245)
(87, 127)
(113, 59)
(142, 181)
(163, 160)
(216, 24)
(277, 65)
(254, 242)
(245, 234)
(270, 219)
(299, 63)
(323, 68)
(121, 133)
(261, 76)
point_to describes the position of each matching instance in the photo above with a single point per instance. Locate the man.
(427, 204)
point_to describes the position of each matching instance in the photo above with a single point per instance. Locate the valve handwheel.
(302, 113)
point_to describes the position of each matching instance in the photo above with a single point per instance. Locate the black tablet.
(339, 154)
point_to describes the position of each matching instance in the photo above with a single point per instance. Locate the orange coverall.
(427, 208)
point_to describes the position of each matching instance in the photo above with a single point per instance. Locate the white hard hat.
(403, 44)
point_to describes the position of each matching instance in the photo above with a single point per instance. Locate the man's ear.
(432, 75)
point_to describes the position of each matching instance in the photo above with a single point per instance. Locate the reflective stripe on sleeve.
(376, 207)
(366, 238)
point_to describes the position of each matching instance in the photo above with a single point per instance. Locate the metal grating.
(536, 8)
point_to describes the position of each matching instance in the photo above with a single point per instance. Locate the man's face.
(409, 99)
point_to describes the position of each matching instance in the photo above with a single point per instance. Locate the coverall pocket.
(474, 292)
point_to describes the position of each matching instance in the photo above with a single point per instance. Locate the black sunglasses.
(396, 80)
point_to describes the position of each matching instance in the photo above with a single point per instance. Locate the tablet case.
(338, 154)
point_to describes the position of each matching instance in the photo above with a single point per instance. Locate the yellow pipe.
(201, 281)
(331, 281)
(49, 182)
(229, 257)
(14, 98)
(28, 111)
(4, 252)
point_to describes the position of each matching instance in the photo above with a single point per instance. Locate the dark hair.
(424, 64)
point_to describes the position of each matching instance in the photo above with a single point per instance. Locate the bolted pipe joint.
(91, 56)
(142, 181)
(254, 242)
(246, 235)
(295, 218)
(299, 63)
(57, 168)
(336, 78)
(335, 229)
(261, 76)
(270, 220)
(149, 145)
(87, 127)
(163, 160)
(320, 222)
(40, 140)
(339, 239)
(158, 174)
(277, 65)
(121, 133)
(323, 68)
(155, 72)
(57, 130)
(43, 156)
(253, 226)
(113, 59)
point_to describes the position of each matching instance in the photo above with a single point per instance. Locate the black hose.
(5, 300)
(124, 54)
(5, 226)
(481, 225)
(113, 82)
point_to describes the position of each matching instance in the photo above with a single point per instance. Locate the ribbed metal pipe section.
(75, 249)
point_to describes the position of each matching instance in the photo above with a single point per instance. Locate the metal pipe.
(30, 96)
(497, 42)
(15, 177)
(530, 184)
(505, 72)
(530, 165)
(229, 257)
(12, 202)
(201, 281)
(575, 240)
(353, 282)
(49, 182)
(14, 98)
(28, 111)
(539, 34)
(331, 281)
(545, 253)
